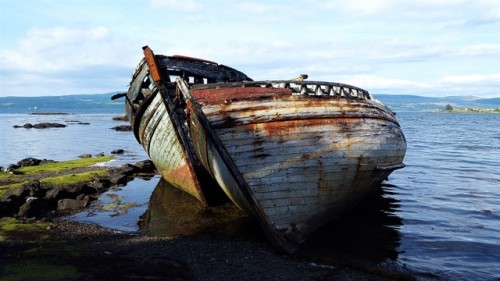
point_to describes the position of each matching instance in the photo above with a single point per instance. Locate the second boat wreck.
(293, 153)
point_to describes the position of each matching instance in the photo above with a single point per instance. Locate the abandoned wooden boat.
(159, 123)
(294, 153)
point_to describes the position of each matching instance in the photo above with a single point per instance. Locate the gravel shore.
(98, 253)
(51, 247)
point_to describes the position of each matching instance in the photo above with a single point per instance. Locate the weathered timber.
(304, 157)
(294, 153)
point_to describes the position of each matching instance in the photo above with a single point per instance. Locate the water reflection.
(172, 212)
(367, 233)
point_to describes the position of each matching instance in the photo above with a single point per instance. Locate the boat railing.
(301, 88)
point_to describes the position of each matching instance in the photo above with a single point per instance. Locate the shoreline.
(50, 245)
(67, 250)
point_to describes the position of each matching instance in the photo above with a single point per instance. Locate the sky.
(425, 47)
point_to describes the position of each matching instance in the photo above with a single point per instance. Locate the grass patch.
(4, 188)
(74, 178)
(13, 226)
(64, 165)
(39, 255)
(7, 180)
(31, 270)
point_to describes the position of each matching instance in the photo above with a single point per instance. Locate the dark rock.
(29, 162)
(119, 179)
(83, 123)
(82, 196)
(43, 125)
(11, 169)
(85, 156)
(33, 207)
(49, 113)
(128, 169)
(99, 184)
(44, 161)
(100, 154)
(120, 118)
(69, 204)
(35, 189)
(118, 151)
(16, 194)
(13, 198)
(56, 193)
(61, 192)
(48, 125)
(122, 128)
(146, 166)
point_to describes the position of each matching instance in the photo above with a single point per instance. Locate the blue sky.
(425, 47)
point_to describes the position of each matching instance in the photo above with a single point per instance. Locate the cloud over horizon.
(426, 48)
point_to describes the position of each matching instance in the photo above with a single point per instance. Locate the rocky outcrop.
(37, 199)
(25, 163)
(118, 151)
(121, 118)
(122, 128)
(43, 125)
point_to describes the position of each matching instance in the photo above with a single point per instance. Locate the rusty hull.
(293, 153)
(293, 157)
(159, 124)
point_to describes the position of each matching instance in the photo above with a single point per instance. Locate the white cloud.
(479, 49)
(491, 79)
(184, 5)
(388, 46)
(380, 84)
(65, 60)
(471, 85)
(63, 48)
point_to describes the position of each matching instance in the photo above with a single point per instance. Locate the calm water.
(449, 195)
(65, 143)
(438, 218)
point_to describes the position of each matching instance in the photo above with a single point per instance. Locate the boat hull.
(154, 128)
(296, 154)
(295, 161)
(157, 117)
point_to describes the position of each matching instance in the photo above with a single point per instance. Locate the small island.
(450, 108)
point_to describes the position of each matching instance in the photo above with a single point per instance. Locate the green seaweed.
(17, 179)
(117, 206)
(64, 165)
(71, 179)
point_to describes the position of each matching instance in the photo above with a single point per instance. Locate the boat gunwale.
(285, 83)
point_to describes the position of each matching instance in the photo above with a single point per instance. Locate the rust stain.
(287, 127)
(225, 95)
(182, 177)
(150, 59)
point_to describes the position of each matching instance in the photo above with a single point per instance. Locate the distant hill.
(489, 101)
(420, 103)
(102, 103)
(72, 104)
